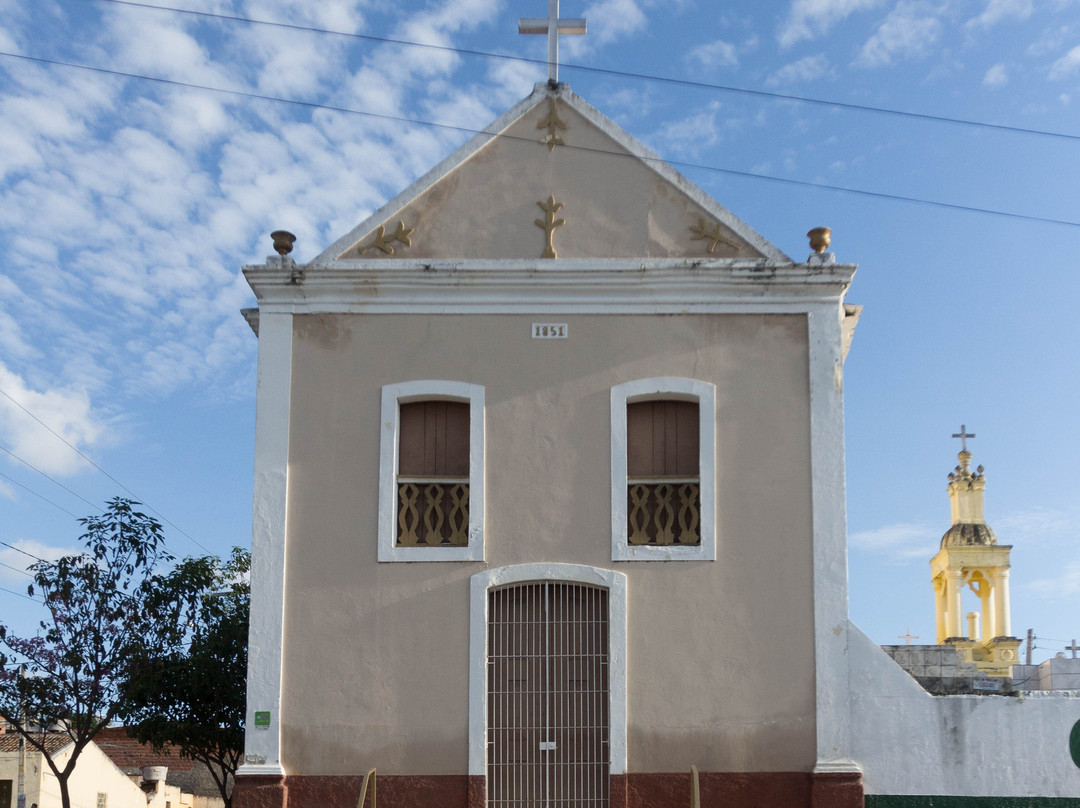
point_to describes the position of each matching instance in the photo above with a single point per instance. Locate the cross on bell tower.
(963, 434)
(552, 26)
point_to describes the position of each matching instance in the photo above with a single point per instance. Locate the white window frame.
(393, 396)
(664, 388)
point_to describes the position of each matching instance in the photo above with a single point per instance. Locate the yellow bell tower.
(971, 558)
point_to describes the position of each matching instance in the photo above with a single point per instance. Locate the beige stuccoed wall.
(721, 654)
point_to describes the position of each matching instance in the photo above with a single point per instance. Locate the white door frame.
(481, 583)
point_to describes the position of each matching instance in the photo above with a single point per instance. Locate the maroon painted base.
(837, 790)
(738, 790)
(343, 791)
(635, 790)
(259, 792)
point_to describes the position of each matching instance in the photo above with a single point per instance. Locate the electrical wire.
(47, 477)
(20, 550)
(700, 85)
(470, 131)
(16, 569)
(99, 468)
(39, 496)
(24, 572)
(18, 594)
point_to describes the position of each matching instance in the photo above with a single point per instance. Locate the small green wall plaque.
(262, 720)
(1074, 743)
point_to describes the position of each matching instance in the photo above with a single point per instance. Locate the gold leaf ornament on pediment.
(713, 233)
(553, 123)
(549, 223)
(385, 243)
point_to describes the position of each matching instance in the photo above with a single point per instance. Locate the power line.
(99, 468)
(20, 550)
(24, 572)
(18, 594)
(470, 131)
(47, 477)
(699, 85)
(36, 494)
(66, 442)
(16, 569)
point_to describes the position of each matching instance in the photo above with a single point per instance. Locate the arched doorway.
(548, 685)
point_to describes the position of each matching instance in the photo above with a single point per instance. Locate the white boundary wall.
(909, 742)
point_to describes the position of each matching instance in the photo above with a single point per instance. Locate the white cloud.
(13, 562)
(154, 45)
(7, 42)
(333, 15)
(301, 69)
(808, 19)
(1064, 585)
(609, 20)
(907, 32)
(1038, 526)
(1051, 40)
(457, 15)
(998, 10)
(459, 107)
(513, 79)
(899, 543)
(691, 134)
(66, 412)
(1067, 65)
(809, 68)
(996, 76)
(12, 342)
(714, 54)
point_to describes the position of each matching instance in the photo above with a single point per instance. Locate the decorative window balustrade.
(433, 512)
(664, 511)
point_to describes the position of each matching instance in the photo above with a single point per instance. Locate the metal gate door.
(547, 688)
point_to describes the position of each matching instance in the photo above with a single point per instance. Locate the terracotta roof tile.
(9, 742)
(127, 753)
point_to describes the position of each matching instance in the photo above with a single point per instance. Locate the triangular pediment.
(552, 178)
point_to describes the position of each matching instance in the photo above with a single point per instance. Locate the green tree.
(105, 607)
(193, 698)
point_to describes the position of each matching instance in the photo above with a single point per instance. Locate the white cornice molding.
(661, 286)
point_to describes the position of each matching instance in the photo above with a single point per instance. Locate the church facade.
(549, 494)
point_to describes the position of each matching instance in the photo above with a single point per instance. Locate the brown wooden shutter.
(662, 439)
(434, 439)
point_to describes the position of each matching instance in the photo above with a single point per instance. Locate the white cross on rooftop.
(552, 26)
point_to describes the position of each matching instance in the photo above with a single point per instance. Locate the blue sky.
(129, 206)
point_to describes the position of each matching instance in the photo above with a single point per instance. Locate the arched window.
(431, 485)
(663, 502)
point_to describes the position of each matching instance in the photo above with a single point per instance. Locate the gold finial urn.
(283, 241)
(820, 238)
